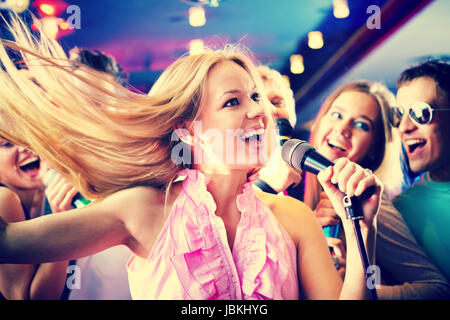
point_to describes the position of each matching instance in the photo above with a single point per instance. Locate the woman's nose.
(255, 110)
(24, 150)
(344, 128)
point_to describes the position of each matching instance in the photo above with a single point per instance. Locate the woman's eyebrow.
(368, 119)
(358, 116)
(237, 91)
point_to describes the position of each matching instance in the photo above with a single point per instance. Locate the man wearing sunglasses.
(422, 118)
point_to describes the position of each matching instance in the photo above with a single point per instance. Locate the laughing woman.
(218, 240)
(22, 198)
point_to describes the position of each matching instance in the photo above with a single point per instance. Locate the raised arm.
(346, 177)
(77, 233)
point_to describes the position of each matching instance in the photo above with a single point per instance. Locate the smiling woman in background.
(353, 123)
(22, 198)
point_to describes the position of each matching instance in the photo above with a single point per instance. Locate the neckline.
(246, 202)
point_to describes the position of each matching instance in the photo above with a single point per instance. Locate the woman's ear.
(184, 135)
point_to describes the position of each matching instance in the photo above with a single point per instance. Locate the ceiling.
(145, 36)
(150, 34)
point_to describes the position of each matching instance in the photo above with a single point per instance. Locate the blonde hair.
(101, 139)
(383, 157)
(268, 74)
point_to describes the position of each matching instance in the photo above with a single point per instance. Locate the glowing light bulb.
(340, 9)
(196, 46)
(50, 26)
(197, 16)
(48, 9)
(315, 40)
(64, 25)
(18, 6)
(297, 66)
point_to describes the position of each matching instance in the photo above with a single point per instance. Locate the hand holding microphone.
(343, 177)
(354, 192)
(61, 194)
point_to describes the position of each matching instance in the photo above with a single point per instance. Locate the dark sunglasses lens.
(420, 112)
(395, 116)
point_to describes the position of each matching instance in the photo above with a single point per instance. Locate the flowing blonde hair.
(103, 140)
(383, 157)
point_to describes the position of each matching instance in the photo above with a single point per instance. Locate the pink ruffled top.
(191, 258)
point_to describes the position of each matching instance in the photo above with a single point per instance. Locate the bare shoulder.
(142, 209)
(135, 205)
(294, 215)
(10, 206)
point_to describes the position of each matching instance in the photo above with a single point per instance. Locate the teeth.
(28, 161)
(253, 132)
(414, 141)
(336, 144)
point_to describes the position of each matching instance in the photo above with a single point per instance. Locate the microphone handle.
(331, 231)
(79, 201)
(284, 129)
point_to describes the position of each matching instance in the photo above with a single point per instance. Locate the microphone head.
(293, 152)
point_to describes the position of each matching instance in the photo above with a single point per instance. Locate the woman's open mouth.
(336, 146)
(253, 135)
(31, 166)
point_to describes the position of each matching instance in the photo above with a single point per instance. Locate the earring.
(185, 136)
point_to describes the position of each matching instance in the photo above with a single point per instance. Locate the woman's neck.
(225, 186)
(27, 197)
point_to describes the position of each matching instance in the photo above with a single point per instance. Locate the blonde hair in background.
(383, 158)
(283, 85)
(103, 140)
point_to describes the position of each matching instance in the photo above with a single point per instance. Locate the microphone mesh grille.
(293, 152)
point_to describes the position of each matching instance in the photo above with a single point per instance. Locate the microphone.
(301, 155)
(285, 130)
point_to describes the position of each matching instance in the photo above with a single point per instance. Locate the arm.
(346, 177)
(317, 275)
(80, 232)
(407, 271)
(28, 281)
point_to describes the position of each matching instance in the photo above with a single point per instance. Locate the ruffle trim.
(205, 266)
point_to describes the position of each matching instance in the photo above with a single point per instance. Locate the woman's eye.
(231, 103)
(336, 115)
(279, 103)
(362, 125)
(6, 144)
(256, 97)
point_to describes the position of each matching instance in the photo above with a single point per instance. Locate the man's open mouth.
(414, 144)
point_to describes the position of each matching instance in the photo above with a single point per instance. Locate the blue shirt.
(426, 209)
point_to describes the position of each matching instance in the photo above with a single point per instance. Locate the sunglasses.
(419, 112)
